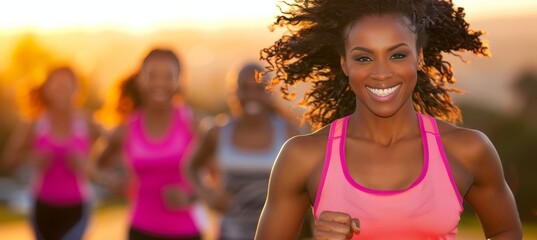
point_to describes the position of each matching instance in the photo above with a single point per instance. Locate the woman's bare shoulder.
(471, 147)
(306, 149)
(296, 163)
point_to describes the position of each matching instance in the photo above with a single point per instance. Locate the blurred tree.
(28, 64)
(525, 87)
(520, 143)
(30, 61)
(515, 138)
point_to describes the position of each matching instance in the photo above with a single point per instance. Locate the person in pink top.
(154, 140)
(387, 161)
(57, 142)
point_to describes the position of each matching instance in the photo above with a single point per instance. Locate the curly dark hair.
(311, 49)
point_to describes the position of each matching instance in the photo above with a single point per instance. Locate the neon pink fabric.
(59, 184)
(157, 164)
(428, 209)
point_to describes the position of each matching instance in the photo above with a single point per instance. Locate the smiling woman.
(382, 163)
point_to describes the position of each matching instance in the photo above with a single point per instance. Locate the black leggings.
(59, 222)
(135, 234)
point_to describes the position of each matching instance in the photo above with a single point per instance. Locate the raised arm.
(288, 199)
(489, 195)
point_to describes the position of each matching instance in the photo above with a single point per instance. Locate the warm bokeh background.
(105, 41)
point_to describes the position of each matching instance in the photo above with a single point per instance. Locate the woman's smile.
(383, 94)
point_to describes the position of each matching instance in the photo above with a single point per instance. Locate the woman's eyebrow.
(358, 48)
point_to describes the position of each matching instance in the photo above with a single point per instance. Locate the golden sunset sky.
(59, 15)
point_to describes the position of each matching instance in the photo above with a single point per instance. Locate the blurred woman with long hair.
(152, 143)
(57, 142)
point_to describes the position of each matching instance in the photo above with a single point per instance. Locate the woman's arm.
(293, 183)
(489, 195)
(96, 131)
(97, 134)
(204, 173)
(106, 155)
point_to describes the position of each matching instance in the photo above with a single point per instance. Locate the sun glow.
(54, 15)
(133, 15)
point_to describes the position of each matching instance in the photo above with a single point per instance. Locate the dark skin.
(253, 131)
(158, 83)
(58, 96)
(383, 139)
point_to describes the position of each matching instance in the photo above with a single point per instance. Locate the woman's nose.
(382, 71)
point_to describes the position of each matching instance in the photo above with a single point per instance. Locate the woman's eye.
(363, 59)
(398, 56)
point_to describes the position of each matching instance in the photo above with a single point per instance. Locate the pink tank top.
(428, 209)
(158, 164)
(58, 183)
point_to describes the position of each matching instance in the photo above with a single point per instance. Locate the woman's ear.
(343, 63)
(421, 62)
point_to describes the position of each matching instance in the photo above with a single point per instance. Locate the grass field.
(110, 222)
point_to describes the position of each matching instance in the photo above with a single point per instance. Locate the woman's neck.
(59, 114)
(157, 110)
(156, 115)
(60, 120)
(384, 130)
(254, 120)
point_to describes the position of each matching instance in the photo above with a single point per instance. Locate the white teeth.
(383, 92)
